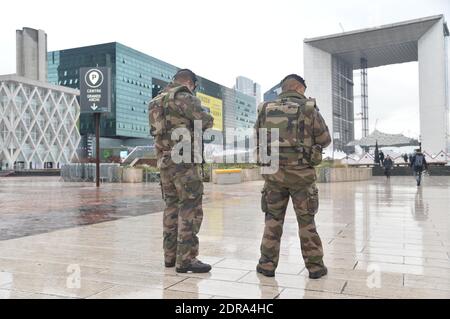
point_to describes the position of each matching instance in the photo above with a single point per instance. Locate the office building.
(38, 120)
(136, 79)
(329, 63)
(247, 86)
(273, 93)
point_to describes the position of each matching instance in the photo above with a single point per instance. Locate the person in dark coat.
(388, 164)
(381, 157)
(418, 164)
(405, 158)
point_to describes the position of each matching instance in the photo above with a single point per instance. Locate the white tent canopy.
(383, 140)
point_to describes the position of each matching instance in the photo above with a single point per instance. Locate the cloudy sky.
(220, 39)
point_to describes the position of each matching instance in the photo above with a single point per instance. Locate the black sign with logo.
(95, 90)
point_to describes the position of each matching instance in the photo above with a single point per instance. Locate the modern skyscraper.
(136, 79)
(31, 54)
(247, 86)
(257, 92)
(244, 85)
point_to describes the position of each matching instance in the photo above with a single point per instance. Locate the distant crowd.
(416, 161)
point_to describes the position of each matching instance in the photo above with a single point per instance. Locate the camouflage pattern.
(302, 130)
(183, 189)
(181, 108)
(295, 179)
(181, 184)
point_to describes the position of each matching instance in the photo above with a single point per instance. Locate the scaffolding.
(364, 99)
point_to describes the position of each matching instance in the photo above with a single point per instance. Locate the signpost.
(95, 98)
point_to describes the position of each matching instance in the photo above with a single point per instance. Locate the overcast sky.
(220, 39)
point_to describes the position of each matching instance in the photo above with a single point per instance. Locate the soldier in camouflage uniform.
(302, 136)
(182, 186)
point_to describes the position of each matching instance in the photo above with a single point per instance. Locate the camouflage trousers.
(183, 191)
(300, 186)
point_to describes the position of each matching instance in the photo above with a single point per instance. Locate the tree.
(377, 154)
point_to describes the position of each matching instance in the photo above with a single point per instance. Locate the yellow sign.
(215, 108)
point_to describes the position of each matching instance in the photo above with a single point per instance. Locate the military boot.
(195, 266)
(169, 264)
(318, 274)
(267, 273)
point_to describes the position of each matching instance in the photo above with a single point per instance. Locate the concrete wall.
(407, 171)
(318, 77)
(433, 90)
(31, 54)
(109, 173)
(249, 175)
(350, 174)
(324, 175)
(132, 175)
(226, 178)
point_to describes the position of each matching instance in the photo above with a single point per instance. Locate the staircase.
(138, 153)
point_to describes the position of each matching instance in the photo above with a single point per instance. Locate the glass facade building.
(241, 112)
(136, 79)
(273, 93)
(248, 87)
(343, 114)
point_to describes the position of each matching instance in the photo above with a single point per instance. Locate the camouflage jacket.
(301, 134)
(182, 108)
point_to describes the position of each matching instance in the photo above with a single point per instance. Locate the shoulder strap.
(262, 110)
(310, 106)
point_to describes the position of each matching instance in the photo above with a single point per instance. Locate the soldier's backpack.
(161, 110)
(418, 161)
(294, 119)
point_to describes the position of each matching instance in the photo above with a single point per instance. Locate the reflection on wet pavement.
(31, 206)
(382, 239)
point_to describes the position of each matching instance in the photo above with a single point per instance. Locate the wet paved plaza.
(68, 240)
